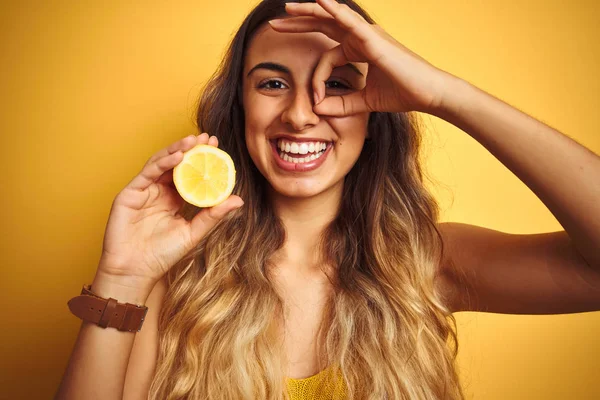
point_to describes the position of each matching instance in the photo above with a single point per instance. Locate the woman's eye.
(336, 85)
(271, 84)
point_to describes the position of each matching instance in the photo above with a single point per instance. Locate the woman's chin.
(304, 188)
(296, 188)
(296, 192)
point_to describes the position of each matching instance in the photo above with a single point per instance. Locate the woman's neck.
(304, 220)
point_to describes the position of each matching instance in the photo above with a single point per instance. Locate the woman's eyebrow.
(282, 68)
(270, 66)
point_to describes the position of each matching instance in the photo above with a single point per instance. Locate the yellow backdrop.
(91, 89)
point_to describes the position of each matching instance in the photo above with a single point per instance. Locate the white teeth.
(312, 150)
(299, 160)
(300, 147)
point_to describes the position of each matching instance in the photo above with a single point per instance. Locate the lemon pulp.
(205, 177)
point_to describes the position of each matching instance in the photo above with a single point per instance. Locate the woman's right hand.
(144, 235)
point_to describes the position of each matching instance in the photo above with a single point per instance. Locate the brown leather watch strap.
(107, 312)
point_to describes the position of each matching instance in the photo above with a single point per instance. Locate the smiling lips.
(299, 156)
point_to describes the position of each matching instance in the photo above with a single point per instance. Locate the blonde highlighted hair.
(387, 331)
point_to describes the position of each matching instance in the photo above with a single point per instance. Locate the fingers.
(341, 106)
(213, 141)
(207, 218)
(311, 9)
(158, 166)
(329, 60)
(166, 178)
(344, 15)
(183, 144)
(336, 106)
(153, 171)
(308, 24)
(347, 18)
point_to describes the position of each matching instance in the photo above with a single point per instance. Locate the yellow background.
(89, 90)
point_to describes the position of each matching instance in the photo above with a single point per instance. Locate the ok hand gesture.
(398, 80)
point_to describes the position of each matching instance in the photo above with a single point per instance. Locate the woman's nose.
(299, 113)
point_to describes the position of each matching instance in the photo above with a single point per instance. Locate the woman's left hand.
(398, 80)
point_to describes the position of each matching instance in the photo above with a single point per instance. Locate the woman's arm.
(490, 271)
(110, 364)
(555, 272)
(144, 355)
(562, 173)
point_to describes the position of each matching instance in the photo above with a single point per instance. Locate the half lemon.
(205, 177)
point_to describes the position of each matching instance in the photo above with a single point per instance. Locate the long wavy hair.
(387, 332)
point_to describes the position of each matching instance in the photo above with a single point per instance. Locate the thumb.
(341, 106)
(207, 218)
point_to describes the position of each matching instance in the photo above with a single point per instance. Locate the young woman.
(333, 278)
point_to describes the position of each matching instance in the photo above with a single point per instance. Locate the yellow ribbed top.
(317, 387)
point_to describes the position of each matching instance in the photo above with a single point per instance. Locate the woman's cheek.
(352, 128)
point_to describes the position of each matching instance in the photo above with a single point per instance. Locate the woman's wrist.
(452, 100)
(122, 289)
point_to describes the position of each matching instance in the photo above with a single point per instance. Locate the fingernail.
(316, 96)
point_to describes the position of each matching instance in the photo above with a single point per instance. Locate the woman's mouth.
(293, 155)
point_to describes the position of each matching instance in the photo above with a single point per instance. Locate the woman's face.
(300, 153)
